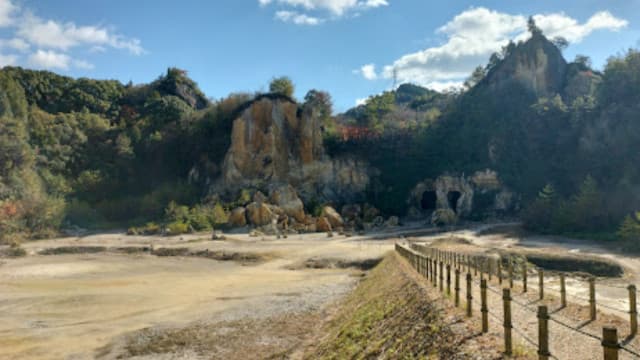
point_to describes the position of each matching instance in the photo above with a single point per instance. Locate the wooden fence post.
(435, 273)
(543, 333)
(524, 275)
(506, 297)
(592, 297)
(610, 343)
(469, 296)
(483, 307)
(633, 310)
(441, 276)
(457, 288)
(563, 292)
(489, 262)
(510, 273)
(475, 266)
(500, 270)
(448, 279)
(541, 283)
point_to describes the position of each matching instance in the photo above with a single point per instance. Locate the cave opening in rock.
(453, 197)
(428, 201)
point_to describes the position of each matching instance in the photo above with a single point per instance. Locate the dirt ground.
(80, 306)
(133, 304)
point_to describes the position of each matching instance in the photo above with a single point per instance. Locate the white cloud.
(473, 35)
(63, 36)
(49, 59)
(361, 101)
(368, 71)
(297, 18)
(82, 64)
(7, 11)
(334, 8)
(15, 44)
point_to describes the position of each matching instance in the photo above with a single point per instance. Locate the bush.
(177, 228)
(629, 231)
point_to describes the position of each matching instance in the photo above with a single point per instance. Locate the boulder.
(370, 213)
(259, 197)
(259, 214)
(323, 224)
(351, 211)
(333, 217)
(238, 217)
(286, 198)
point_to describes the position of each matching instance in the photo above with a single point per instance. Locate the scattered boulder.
(238, 217)
(287, 199)
(351, 212)
(333, 217)
(259, 214)
(259, 197)
(370, 213)
(323, 224)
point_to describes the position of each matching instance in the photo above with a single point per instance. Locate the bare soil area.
(86, 301)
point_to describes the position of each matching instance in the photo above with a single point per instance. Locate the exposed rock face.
(259, 214)
(323, 225)
(275, 141)
(238, 217)
(536, 65)
(480, 194)
(286, 198)
(333, 217)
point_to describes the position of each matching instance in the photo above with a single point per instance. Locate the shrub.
(177, 228)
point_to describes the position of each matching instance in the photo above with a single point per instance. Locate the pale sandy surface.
(67, 306)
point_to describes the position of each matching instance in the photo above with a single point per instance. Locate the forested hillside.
(94, 153)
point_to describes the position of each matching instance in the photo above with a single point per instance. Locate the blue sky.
(346, 47)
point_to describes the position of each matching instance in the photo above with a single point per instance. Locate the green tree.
(282, 85)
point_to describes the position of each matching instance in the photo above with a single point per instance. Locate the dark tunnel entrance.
(453, 197)
(429, 200)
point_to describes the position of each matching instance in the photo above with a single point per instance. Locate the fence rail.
(432, 264)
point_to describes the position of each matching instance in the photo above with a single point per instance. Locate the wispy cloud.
(322, 9)
(49, 43)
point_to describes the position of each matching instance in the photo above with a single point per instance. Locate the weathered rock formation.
(274, 140)
(474, 196)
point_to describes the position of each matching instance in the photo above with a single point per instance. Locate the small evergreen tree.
(282, 85)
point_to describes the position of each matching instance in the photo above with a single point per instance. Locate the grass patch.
(332, 263)
(583, 264)
(66, 250)
(387, 316)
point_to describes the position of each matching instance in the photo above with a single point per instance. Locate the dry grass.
(392, 315)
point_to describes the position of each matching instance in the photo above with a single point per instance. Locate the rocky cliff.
(275, 140)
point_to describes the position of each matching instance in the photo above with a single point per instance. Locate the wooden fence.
(433, 263)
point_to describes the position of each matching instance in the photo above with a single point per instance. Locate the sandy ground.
(73, 306)
(67, 306)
